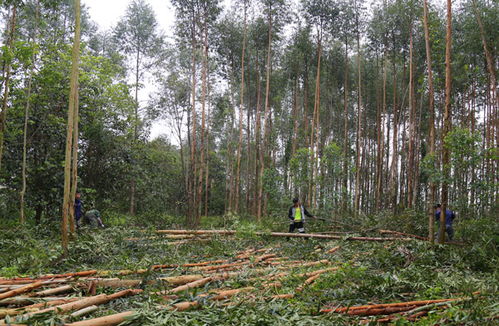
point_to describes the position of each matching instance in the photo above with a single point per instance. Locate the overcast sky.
(106, 13)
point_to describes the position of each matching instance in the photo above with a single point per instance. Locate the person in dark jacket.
(449, 219)
(78, 209)
(296, 216)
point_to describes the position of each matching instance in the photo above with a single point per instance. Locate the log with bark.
(282, 234)
(57, 290)
(83, 303)
(407, 235)
(20, 290)
(34, 307)
(389, 308)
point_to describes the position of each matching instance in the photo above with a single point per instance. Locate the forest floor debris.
(239, 277)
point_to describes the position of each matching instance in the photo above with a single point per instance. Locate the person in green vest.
(93, 218)
(296, 216)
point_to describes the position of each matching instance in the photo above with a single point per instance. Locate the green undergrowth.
(368, 272)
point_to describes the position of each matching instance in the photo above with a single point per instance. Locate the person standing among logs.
(296, 216)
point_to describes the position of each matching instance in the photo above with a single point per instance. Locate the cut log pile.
(74, 296)
(259, 275)
(411, 310)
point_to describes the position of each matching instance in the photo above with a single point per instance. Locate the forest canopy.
(345, 104)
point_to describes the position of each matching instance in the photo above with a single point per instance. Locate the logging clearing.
(249, 162)
(241, 274)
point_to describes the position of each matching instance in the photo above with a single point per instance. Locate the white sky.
(106, 13)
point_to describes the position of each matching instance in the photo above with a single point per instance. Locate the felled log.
(14, 282)
(191, 285)
(57, 290)
(248, 253)
(24, 300)
(308, 281)
(182, 279)
(84, 311)
(333, 250)
(403, 234)
(33, 307)
(283, 296)
(104, 321)
(366, 309)
(225, 294)
(23, 289)
(182, 306)
(318, 272)
(50, 276)
(279, 234)
(113, 283)
(83, 303)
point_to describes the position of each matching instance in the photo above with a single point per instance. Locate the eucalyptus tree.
(346, 29)
(137, 34)
(275, 12)
(321, 14)
(245, 4)
(431, 121)
(11, 24)
(447, 121)
(67, 205)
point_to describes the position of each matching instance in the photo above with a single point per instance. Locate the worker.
(296, 216)
(93, 218)
(449, 219)
(78, 206)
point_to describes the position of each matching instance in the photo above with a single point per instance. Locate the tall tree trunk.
(73, 102)
(22, 193)
(381, 140)
(204, 86)
(395, 150)
(295, 116)
(266, 119)
(412, 126)
(346, 154)
(133, 183)
(314, 135)
(74, 169)
(431, 123)
(191, 214)
(257, 138)
(447, 121)
(207, 162)
(241, 104)
(488, 56)
(8, 68)
(359, 124)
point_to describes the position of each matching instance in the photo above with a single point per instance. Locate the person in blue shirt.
(449, 218)
(78, 209)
